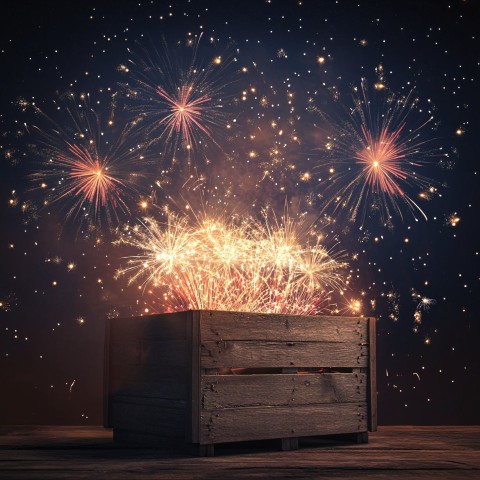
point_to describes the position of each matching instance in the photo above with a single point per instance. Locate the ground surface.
(57, 452)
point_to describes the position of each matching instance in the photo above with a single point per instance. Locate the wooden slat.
(230, 391)
(237, 424)
(290, 443)
(149, 401)
(217, 325)
(149, 419)
(169, 326)
(163, 353)
(193, 426)
(169, 388)
(251, 354)
(148, 373)
(87, 452)
(372, 376)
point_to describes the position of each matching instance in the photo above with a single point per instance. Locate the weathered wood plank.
(218, 325)
(149, 380)
(149, 419)
(251, 423)
(230, 391)
(169, 388)
(193, 423)
(149, 401)
(394, 453)
(163, 353)
(171, 326)
(131, 334)
(251, 354)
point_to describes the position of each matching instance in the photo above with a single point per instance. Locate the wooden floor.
(57, 452)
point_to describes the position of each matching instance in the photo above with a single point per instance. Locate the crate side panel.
(257, 354)
(256, 423)
(162, 421)
(136, 383)
(372, 372)
(167, 403)
(218, 325)
(148, 374)
(170, 326)
(231, 391)
(148, 352)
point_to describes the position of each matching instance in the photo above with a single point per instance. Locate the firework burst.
(236, 264)
(91, 171)
(375, 157)
(180, 102)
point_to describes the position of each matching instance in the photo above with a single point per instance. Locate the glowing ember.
(236, 264)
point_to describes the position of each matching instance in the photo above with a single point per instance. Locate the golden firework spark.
(233, 264)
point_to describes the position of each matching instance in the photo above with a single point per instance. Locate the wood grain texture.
(159, 403)
(149, 381)
(216, 325)
(393, 453)
(251, 423)
(160, 327)
(152, 419)
(149, 352)
(230, 391)
(251, 354)
(193, 426)
(165, 367)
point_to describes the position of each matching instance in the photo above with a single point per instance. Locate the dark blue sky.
(52, 314)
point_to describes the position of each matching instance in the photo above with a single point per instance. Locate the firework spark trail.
(381, 161)
(180, 103)
(90, 179)
(233, 265)
(89, 171)
(381, 155)
(185, 115)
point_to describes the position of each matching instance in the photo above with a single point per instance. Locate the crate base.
(284, 444)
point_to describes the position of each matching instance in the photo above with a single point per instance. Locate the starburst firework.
(375, 157)
(180, 101)
(89, 171)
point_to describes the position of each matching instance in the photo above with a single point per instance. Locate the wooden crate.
(175, 377)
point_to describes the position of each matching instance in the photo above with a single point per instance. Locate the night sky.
(287, 107)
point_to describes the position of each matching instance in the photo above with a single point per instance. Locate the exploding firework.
(375, 157)
(239, 264)
(91, 171)
(423, 303)
(180, 102)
